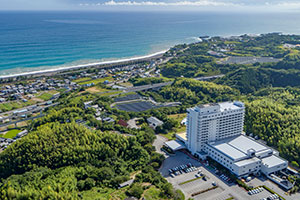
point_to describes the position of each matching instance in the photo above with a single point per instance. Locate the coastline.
(96, 64)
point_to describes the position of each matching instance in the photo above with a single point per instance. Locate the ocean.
(31, 41)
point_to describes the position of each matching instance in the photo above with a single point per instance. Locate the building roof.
(229, 151)
(224, 106)
(246, 161)
(129, 182)
(175, 145)
(244, 143)
(181, 136)
(237, 147)
(122, 123)
(154, 120)
(87, 103)
(221, 107)
(273, 161)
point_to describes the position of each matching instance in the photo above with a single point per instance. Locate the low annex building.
(243, 155)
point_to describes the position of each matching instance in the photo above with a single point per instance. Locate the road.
(26, 119)
(158, 85)
(21, 120)
(27, 107)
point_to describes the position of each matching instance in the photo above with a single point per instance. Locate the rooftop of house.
(154, 120)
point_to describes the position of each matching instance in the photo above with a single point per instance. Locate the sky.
(230, 5)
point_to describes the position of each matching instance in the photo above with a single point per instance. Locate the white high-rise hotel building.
(213, 122)
(215, 130)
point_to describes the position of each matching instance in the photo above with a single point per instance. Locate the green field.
(11, 133)
(83, 81)
(152, 193)
(110, 93)
(46, 95)
(15, 105)
(104, 193)
(96, 89)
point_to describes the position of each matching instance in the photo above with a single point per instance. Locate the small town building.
(154, 122)
(127, 183)
(122, 123)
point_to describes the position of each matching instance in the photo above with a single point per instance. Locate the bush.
(295, 164)
(242, 184)
(136, 190)
(178, 195)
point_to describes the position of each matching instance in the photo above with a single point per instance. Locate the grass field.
(96, 89)
(238, 54)
(82, 80)
(177, 117)
(152, 194)
(104, 194)
(95, 81)
(110, 93)
(126, 84)
(46, 95)
(232, 42)
(15, 105)
(11, 133)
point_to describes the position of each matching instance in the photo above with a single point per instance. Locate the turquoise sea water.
(32, 41)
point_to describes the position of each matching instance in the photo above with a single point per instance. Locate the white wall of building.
(211, 126)
(268, 170)
(213, 122)
(250, 166)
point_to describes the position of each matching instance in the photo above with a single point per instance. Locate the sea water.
(31, 41)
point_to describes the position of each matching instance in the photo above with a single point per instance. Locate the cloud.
(288, 4)
(231, 5)
(161, 3)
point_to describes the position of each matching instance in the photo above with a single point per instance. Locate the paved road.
(21, 120)
(158, 143)
(26, 119)
(27, 107)
(158, 85)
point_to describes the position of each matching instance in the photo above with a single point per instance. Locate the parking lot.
(249, 60)
(137, 106)
(224, 190)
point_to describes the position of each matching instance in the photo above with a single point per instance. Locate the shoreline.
(97, 64)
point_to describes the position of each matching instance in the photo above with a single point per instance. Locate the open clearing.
(11, 133)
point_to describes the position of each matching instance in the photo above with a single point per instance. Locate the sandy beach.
(97, 64)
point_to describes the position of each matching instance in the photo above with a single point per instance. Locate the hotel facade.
(216, 130)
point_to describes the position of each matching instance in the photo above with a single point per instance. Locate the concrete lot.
(223, 192)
